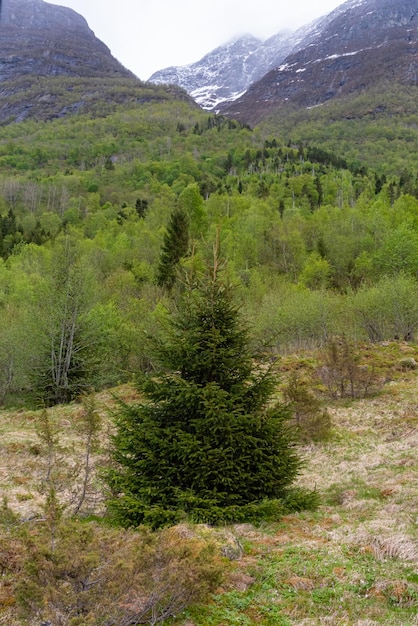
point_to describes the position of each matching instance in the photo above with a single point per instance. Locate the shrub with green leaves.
(388, 309)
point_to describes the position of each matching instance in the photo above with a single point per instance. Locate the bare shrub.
(342, 374)
(71, 478)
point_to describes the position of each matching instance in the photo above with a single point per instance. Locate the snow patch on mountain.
(225, 73)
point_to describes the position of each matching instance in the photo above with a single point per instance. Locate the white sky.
(149, 35)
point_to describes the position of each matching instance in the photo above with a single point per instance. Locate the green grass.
(316, 582)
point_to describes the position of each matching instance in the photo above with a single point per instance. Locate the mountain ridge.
(361, 44)
(239, 63)
(53, 65)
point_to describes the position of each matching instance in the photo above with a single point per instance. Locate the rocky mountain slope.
(360, 45)
(52, 64)
(40, 39)
(225, 74)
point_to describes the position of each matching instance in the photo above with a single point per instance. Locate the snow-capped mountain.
(363, 43)
(359, 44)
(224, 74)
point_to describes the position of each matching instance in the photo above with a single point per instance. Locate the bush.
(313, 423)
(342, 374)
(388, 310)
(298, 317)
(77, 574)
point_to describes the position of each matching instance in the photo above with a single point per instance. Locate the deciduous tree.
(65, 367)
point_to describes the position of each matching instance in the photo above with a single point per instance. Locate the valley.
(163, 268)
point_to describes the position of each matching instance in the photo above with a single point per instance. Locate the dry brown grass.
(23, 462)
(367, 476)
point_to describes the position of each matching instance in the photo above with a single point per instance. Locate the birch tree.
(65, 367)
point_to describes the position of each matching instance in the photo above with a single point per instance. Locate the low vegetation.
(352, 561)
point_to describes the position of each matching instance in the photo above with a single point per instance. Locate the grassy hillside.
(352, 562)
(299, 223)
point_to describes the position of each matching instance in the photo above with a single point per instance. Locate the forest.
(319, 245)
(107, 223)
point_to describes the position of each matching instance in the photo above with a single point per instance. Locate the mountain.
(52, 64)
(40, 39)
(360, 45)
(224, 74)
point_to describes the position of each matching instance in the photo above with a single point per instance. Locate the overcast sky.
(149, 35)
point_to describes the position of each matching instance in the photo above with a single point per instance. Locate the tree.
(175, 246)
(398, 252)
(65, 367)
(141, 207)
(10, 234)
(206, 441)
(316, 272)
(192, 203)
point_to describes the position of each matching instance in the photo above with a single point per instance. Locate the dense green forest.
(99, 215)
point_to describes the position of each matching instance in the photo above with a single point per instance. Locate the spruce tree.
(175, 246)
(206, 442)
